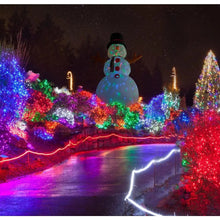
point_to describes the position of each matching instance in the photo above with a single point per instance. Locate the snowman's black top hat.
(116, 38)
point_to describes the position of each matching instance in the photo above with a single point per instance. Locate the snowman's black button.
(117, 76)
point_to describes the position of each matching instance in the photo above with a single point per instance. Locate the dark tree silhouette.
(189, 96)
(49, 56)
(2, 30)
(157, 81)
(88, 72)
(19, 22)
(141, 75)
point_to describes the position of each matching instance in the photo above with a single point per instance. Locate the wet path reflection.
(92, 183)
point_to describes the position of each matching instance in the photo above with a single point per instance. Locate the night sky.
(172, 35)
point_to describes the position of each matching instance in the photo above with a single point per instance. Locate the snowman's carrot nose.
(117, 47)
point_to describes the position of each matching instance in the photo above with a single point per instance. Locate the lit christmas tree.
(207, 93)
(13, 92)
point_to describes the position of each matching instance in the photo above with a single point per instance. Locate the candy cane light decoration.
(69, 76)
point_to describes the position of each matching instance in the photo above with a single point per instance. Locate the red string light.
(202, 151)
(70, 143)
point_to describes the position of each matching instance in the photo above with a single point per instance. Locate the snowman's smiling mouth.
(117, 76)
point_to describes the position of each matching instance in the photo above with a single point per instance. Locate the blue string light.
(43, 134)
(13, 92)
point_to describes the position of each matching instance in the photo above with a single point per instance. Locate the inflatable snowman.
(117, 85)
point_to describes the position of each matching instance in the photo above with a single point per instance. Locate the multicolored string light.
(37, 106)
(45, 87)
(170, 101)
(207, 93)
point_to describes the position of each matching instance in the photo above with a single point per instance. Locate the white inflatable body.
(117, 85)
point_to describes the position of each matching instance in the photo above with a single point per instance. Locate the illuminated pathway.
(93, 183)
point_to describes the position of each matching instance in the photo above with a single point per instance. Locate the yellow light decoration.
(69, 76)
(140, 99)
(174, 78)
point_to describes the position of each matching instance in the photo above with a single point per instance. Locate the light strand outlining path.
(142, 170)
(70, 143)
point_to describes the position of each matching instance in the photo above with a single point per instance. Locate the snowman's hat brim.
(115, 42)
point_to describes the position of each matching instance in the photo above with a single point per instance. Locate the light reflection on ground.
(91, 183)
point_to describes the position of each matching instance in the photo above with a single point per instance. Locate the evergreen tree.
(19, 35)
(189, 95)
(48, 54)
(19, 22)
(157, 80)
(2, 30)
(88, 71)
(13, 93)
(207, 95)
(139, 72)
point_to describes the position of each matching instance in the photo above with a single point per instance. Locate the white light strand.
(142, 170)
(66, 114)
(142, 208)
(21, 125)
(62, 90)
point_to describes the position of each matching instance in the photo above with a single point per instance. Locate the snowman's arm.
(134, 59)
